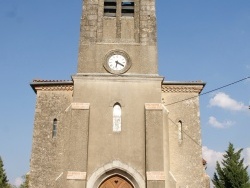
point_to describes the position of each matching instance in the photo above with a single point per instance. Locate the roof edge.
(42, 83)
(178, 86)
(184, 83)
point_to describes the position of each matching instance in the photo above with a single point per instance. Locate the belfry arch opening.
(116, 181)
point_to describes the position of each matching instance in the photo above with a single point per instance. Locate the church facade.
(117, 123)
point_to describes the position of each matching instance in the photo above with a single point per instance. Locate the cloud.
(18, 181)
(215, 123)
(211, 156)
(246, 156)
(248, 66)
(224, 101)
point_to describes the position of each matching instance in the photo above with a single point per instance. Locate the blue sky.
(197, 40)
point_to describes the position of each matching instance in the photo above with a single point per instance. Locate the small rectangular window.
(128, 8)
(110, 8)
(54, 131)
(180, 132)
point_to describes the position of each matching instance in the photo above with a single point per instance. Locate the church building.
(117, 123)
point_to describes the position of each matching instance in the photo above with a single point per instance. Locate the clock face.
(117, 62)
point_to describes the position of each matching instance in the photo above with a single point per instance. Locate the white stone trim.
(153, 106)
(80, 106)
(76, 175)
(156, 175)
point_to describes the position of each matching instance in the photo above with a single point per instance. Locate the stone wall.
(48, 152)
(185, 148)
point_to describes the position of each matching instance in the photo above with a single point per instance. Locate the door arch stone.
(116, 168)
(116, 181)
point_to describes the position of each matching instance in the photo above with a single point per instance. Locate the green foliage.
(232, 173)
(26, 182)
(3, 177)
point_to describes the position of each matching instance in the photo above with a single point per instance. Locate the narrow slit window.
(180, 132)
(128, 8)
(110, 8)
(54, 131)
(117, 118)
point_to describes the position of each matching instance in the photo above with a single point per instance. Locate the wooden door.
(116, 182)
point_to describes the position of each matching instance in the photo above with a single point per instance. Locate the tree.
(232, 173)
(25, 184)
(3, 178)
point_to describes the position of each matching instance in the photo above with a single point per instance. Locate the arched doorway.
(116, 168)
(116, 181)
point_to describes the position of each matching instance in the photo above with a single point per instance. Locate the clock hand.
(119, 63)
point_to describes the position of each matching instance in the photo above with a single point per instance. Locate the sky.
(206, 40)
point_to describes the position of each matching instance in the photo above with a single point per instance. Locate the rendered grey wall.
(127, 146)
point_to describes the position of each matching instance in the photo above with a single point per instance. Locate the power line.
(186, 133)
(227, 85)
(198, 96)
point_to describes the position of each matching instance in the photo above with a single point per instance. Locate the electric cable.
(235, 82)
(186, 133)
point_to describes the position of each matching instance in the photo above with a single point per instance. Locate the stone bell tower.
(122, 27)
(109, 127)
